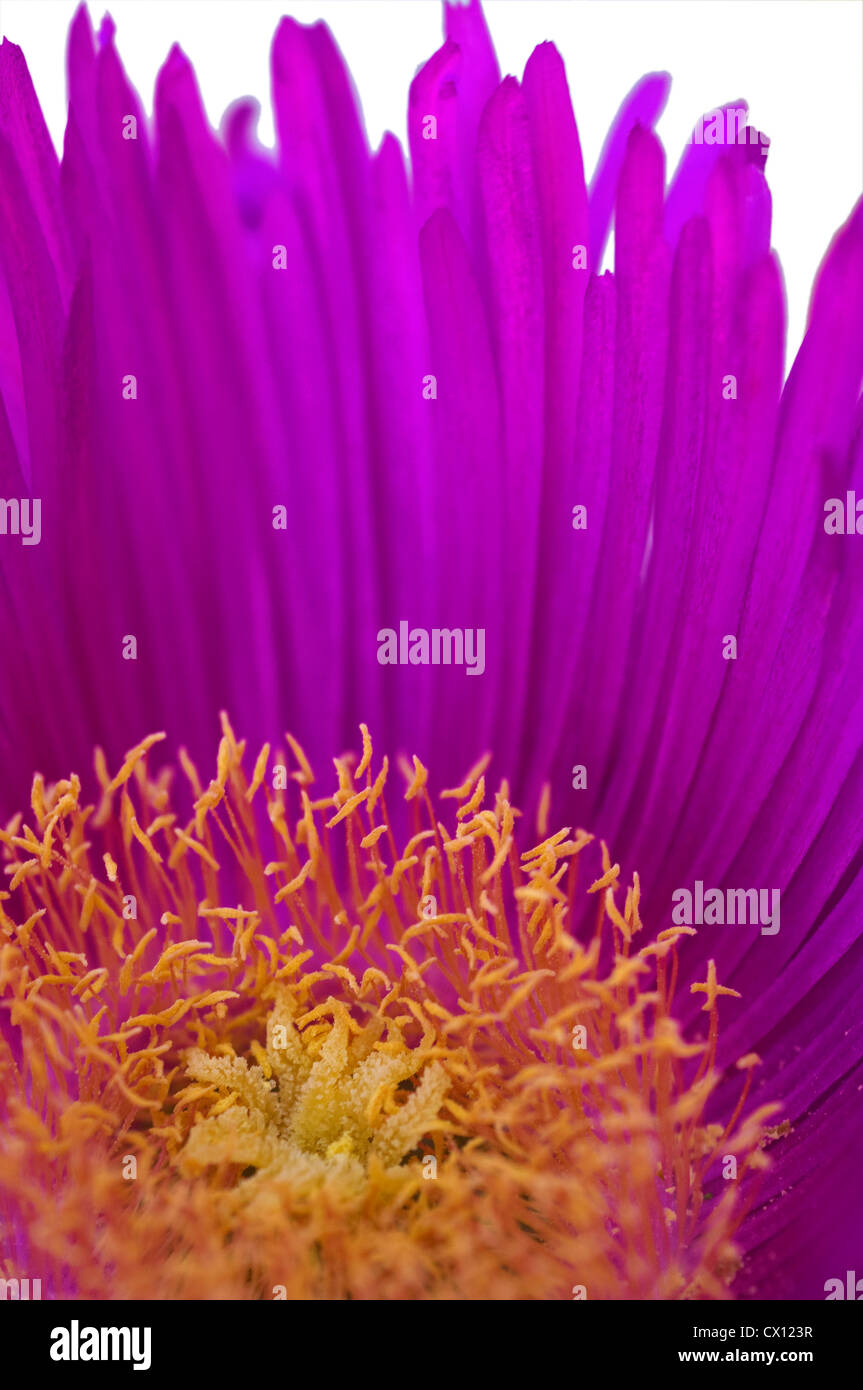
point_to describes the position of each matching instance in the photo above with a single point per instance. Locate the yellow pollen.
(350, 1055)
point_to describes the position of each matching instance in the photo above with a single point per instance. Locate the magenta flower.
(294, 429)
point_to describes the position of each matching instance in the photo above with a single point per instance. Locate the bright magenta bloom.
(195, 334)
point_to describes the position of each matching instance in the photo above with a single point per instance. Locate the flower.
(423, 1086)
(274, 405)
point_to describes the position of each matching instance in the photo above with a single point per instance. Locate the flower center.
(265, 1032)
(322, 1104)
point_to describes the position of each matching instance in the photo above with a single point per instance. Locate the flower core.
(262, 1049)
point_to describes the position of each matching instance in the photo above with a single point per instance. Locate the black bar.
(255, 1339)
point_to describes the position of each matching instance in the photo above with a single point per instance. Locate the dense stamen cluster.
(333, 1068)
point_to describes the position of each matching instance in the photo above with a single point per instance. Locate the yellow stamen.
(427, 1055)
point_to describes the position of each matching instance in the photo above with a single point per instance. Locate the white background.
(797, 62)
